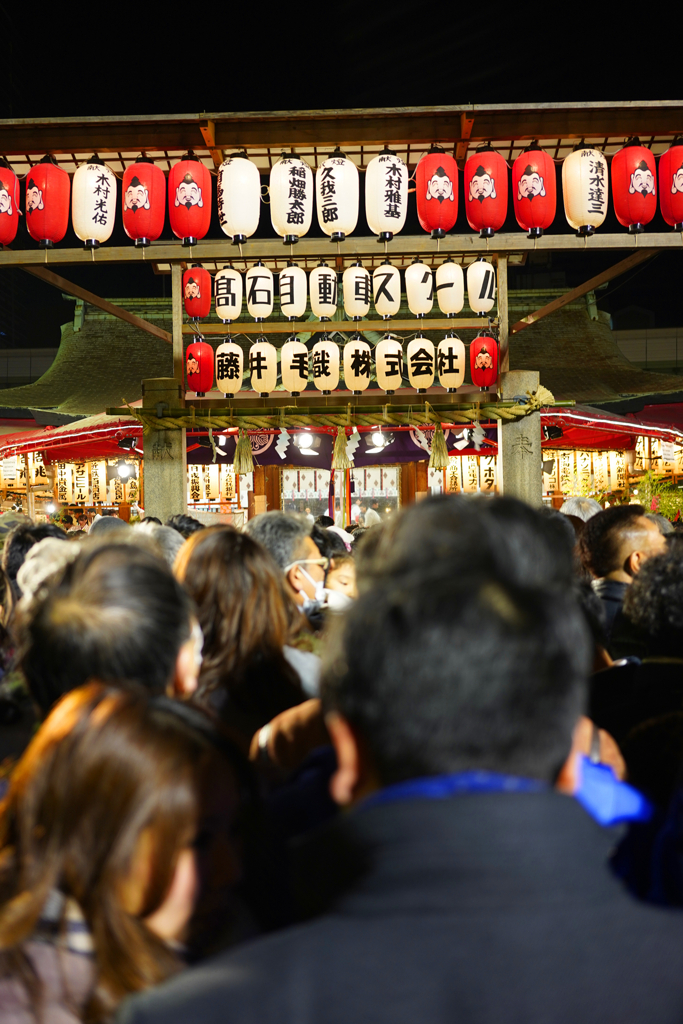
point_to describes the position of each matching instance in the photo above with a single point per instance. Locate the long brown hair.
(106, 766)
(246, 617)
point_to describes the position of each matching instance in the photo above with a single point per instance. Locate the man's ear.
(634, 563)
(353, 777)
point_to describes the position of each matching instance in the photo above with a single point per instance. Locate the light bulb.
(50, 508)
(377, 439)
(124, 471)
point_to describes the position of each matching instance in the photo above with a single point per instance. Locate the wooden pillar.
(503, 314)
(407, 483)
(421, 480)
(273, 488)
(165, 452)
(177, 307)
(520, 468)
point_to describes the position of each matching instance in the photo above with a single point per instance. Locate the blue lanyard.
(440, 787)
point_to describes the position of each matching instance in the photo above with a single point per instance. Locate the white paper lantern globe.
(239, 197)
(291, 198)
(481, 287)
(293, 291)
(386, 289)
(389, 364)
(386, 195)
(450, 362)
(227, 294)
(93, 203)
(337, 196)
(585, 189)
(450, 287)
(260, 290)
(294, 366)
(325, 363)
(357, 288)
(263, 367)
(322, 286)
(420, 360)
(419, 288)
(357, 364)
(229, 368)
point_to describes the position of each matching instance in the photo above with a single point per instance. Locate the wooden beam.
(466, 125)
(607, 275)
(347, 326)
(81, 293)
(208, 130)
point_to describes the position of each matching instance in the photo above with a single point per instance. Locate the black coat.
(479, 908)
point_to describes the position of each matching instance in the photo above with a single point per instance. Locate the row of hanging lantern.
(423, 362)
(358, 288)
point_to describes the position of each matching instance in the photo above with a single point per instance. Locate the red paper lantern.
(484, 361)
(48, 192)
(197, 292)
(9, 203)
(671, 185)
(144, 201)
(189, 199)
(199, 364)
(534, 190)
(436, 184)
(634, 190)
(486, 191)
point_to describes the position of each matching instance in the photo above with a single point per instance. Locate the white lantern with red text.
(293, 291)
(291, 198)
(386, 287)
(389, 363)
(227, 292)
(357, 288)
(386, 195)
(259, 286)
(450, 362)
(239, 197)
(481, 287)
(419, 288)
(322, 286)
(263, 367)
(450, 287)
(93, 203)
(420, 360)
(357, 364)
(585, 189)
(325, 363)
(336, 186)
(294, 366)
(229, 368)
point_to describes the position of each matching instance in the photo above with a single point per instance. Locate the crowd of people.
(427, 769)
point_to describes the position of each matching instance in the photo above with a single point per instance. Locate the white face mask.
(313, 602)
(336, 601)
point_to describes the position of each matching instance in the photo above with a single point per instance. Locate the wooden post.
(503, 314)
(520, 467)
(30, 498)
(177, 303)
(421, 480)
(165, 451)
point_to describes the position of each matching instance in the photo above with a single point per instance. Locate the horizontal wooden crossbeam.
(347, 326)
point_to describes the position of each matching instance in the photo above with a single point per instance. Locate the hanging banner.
(98, 478)
(20, 483)
(617, 469)
(9, 471)
(117, 493)
(65, 490)
(38, 471)
(211, 482)
(470, 473)
(678, 462)
(454, 475)
(567, 472)
(601, 473)
(551, 479)
(487, 473)
(642, 462)
(584, 472)
(132, 490)
(227, 483)
(81, 490)
(194, 482)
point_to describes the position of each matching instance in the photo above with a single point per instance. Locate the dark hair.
(327, 541)
(68, 519)
(324, 521)
(602, 538)
(185, 525)
(654, 602)
(461, 673)
(21, 539)
(116, 613)
(148, 519)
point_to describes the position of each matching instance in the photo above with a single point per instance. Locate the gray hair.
(661, 522)
(582, 508)
(167, 539)
(280, 533)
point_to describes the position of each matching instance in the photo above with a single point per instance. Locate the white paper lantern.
(585, 189)
(420, 360)
(291, 198)
(322, 286)
(481, 287)
(336, 188)
(357, 291)
(450, 362)
(419, 288)
(357, 364)
(386, 287)
(450, 287)
(389, 364)
(263, 367)
(229, 368)
(325, 363)
(227, 294)
(93, 203)
(386, 194)
(294, 365)
(239, 197)
(259, 285)
(293, 291)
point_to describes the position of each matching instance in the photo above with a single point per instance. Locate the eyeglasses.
(324, 563)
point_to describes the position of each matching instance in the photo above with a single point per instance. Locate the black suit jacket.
(478, 908)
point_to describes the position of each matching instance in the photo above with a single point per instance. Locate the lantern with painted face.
(293, 291)
(386, 286)
(419, 288)
(9, 203)
(239, 197)
(486, 191)
(227, 289)
(189, 199)
(291, 198)
(450, 287)
(197, 292)
(229, 368)
(259, 285)
(144, 201)
(325, 364)
(93, 203)
(357, 288)
(534, 190)
(436, 187)
(48, 190)
(450, 362)
(671, 185)
(484, 362)
(294, 365)
(336, 186)
(263, 367)
(584, 189)
(634, 191)
(389, 363)
(322, 286)
(357, 364)
(386, 195)
(199, 365)
(420, 360)
(481, 287)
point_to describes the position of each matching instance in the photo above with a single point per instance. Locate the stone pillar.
(520, 465)
(165, 452)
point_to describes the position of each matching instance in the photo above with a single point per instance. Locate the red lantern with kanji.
(197, 292)
(484, 361)
(436, 186)
(671, 185)
(48, 193)
(486, 191)
(534, 191)
(9, 203)
(199, 364)
(144, 201)
(634, 190)
(189, 199)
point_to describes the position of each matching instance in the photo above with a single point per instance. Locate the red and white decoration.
(189, 199)
(634, 186)
(486, 191)
(436, 186)
(48, 191)
(671, 185)
(199, 365)
(144, 201)
(484, 361)
(197, 292)
(93, 203)
(534, 190)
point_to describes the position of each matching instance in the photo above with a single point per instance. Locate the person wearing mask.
(288, 539)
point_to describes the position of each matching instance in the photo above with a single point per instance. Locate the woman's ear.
(187, 666)
(354, 777)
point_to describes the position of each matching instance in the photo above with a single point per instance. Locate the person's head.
(341, 575)
(654, 602)
(617, 542)
(451, 674)
(116, 613)
(664, 525)
(82, 520)
(288, 539)
(185, 525)
(19, 542)
(324, 521)
(106, 808)
(168, 540)
(363, 506)
(67, 520)
(582, 508)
